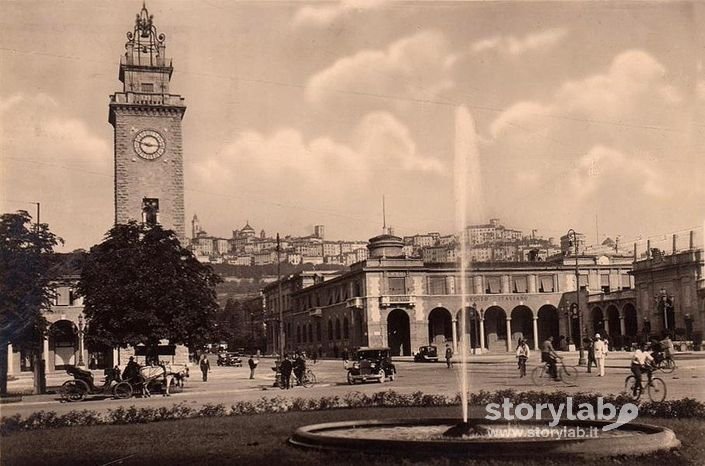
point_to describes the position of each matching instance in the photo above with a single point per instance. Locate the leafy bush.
(684, 408)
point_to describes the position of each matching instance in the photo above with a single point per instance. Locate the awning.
(547, 284)
(520, 285)
(493, 284)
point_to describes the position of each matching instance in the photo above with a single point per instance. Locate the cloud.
(320, 16)
(605, 142)
(634, 87)
(321, 175)
(415, 67)
(512, 45)
(606, 169)
(51, 157)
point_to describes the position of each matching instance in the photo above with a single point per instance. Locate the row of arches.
(495, 329)
(492, 329)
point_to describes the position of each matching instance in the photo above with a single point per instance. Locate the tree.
(26, 261)
(140, 286)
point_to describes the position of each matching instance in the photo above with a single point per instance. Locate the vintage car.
(371, 365)
(229, 359)
(426, 354)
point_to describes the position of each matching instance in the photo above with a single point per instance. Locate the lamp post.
(80, 340)
(581, 357)
(567, 312)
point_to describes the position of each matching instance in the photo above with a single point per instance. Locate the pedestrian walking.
(590, 343)
(522, 356)
(205, 366)
(600, 354)
(252, 362)
(449, 356)
(285, 369)
(315, 356)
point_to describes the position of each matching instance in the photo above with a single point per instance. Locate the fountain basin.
(410, 437)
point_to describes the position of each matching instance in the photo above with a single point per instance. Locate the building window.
(147, 87)
(605, 283)
(318, 331)
(330, 329)
(519, 285)
(494, 285)
(546, 284)
(346, 328)
(437, 285)
(396, 285)
(626, 282)
(583, 280)
(310, 333)
(337, 329)
(298, 334)
(63, 296)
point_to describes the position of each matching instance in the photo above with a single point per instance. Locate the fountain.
(483, 437)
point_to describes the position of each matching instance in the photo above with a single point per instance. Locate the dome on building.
(247, 230)
(386, 246)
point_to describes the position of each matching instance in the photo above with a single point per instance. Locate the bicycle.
(307, 379)
(666, 365)
(566, 374)
(656, 388)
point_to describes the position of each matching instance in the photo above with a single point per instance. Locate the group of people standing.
(287, 366)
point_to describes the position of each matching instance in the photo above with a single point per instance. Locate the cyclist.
(549, 356)
(668, 348)
(642, 362)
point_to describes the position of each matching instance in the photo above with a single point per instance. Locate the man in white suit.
(600, 354)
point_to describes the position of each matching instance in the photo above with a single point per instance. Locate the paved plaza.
(487, 372)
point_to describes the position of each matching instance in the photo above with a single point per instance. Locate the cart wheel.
(73, 390)
(122, 391)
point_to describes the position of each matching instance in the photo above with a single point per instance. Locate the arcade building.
(399, 302)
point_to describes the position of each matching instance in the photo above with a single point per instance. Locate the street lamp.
(80, 340)
(574, 241)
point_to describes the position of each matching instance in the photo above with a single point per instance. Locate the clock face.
(149, 144)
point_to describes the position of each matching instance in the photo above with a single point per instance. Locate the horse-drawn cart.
(82, 385)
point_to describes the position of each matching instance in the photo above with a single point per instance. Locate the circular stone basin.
(407, 437)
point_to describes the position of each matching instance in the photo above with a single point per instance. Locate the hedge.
(684, 408)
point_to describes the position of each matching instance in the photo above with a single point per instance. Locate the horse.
(179, 374)
(150, 373)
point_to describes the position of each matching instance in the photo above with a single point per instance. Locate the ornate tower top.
(144, 45)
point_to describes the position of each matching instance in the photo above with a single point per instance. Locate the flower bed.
(684, 408)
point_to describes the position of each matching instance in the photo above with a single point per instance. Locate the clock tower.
(149, 178)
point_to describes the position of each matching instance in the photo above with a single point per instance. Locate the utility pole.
(581, 358)
(39, 356)
(279, 301)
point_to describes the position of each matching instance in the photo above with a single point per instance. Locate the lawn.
(261, 439)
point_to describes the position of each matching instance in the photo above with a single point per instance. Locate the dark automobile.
(371, 364)
(426, 354)
(229, 359)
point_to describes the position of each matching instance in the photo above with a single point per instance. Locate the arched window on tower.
(346, 328)
(330, 329)
(337, 329)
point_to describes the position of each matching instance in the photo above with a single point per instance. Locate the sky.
(583, 115)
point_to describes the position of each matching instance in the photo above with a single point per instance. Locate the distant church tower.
(195, 226)
(149, 176)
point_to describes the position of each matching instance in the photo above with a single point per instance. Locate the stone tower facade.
(149, 178)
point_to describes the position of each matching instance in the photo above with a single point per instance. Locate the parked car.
(371, 365)
(229, 359)
(426, 354)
